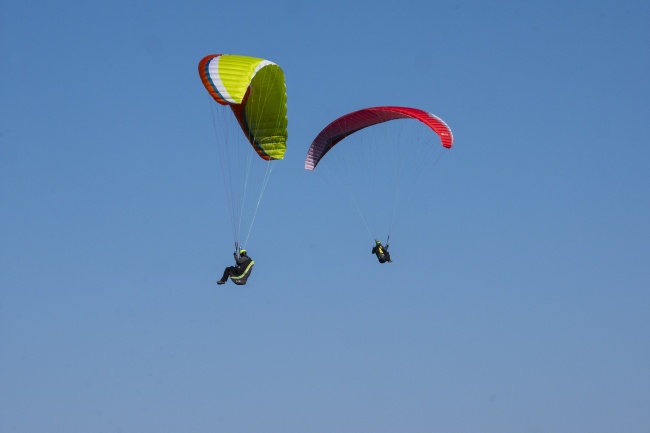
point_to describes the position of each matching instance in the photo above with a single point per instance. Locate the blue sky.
(518, 299)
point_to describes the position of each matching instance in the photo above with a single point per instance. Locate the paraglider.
(381, 252)
(241, 271)
(378, 161)
(250, 119)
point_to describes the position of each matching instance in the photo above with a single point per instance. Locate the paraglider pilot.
(235, 271)
(381, 252)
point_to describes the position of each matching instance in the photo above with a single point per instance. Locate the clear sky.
(519, 295)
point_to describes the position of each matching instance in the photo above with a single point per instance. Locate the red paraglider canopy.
(357, 120)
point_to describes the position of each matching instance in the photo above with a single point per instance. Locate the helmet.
(242, 252)
(378, 242)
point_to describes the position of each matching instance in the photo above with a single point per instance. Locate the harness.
(241, 279)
